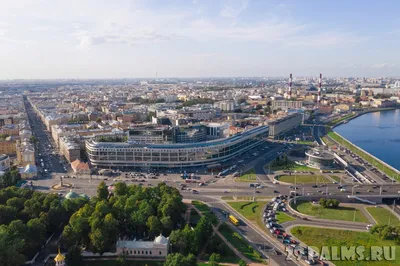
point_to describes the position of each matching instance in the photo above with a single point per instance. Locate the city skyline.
(140, 39)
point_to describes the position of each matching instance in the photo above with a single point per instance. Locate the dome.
(72, 195)
(161, 240)
(60, 257)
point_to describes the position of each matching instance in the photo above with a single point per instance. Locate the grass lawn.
(282, 217)
(263, 198)
(318, 237)
(336, 178)
(381, 216)
(292, 166)
(250, 210)
(240, 243)
(308, 179)
(341, 213)
(338, 120)
(206, 211)
(248, 176)
(363, 155)
(128, 263)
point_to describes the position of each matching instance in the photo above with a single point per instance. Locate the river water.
(378, 133)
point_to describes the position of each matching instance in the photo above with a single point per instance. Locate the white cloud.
(383, 65)
(233, 9)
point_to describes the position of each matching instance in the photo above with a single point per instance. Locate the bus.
(233, 220)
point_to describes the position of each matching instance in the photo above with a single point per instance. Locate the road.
(46, 152)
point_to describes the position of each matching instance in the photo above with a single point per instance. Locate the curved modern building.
(128, 154)
(320, 158)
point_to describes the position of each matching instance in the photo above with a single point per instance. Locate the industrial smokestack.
(290, 86)
(319, 88)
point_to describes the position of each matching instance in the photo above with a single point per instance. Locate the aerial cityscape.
(194, 133)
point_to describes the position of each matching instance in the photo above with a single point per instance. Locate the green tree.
(10, 249)
(120, 189)
(154, 226)
(214, 259)
(102, 191)
(74, 256)
(176, 259)
(242, 263)
(323, 202)
(203, 230)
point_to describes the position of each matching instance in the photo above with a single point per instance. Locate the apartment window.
(142, 252)
(150, 252)
(160, 252)
(146, 252)
(134, 252)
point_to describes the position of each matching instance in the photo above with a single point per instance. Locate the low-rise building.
(158, 248)
(4, 162)
(80, 167)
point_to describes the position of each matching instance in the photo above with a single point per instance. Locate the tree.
(120, 189)
(154, 226)
(214, 259)
(203, 230)
(242, 263)
(176, 259)
(10, 249)
(102, 191)
(74, 256)
(323, 202)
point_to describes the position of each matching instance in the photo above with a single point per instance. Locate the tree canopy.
(27, 219)
(131, 211)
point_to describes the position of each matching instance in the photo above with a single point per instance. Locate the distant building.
(285, 105)
(284, 124)
(28, 172)
(8, 146)
(4, 162)
(80, 167)
(158, 248)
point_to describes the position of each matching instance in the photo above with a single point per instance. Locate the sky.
(49, 39)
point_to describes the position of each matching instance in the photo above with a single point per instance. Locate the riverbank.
(378, 163)
(373, 110)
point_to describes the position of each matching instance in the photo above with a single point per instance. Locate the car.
(276, 191)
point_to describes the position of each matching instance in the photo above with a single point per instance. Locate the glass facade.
(174, 155)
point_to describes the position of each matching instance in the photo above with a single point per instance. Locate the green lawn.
(336, 178)
(292, 166)
(363, 155)
(128, 263)
(341, 213)
(250, 210)
(248, 176)
(338, 120)
(246, 198)
(203, 208)
(319, 237)
(381, 216)
(240, 243)
(282, 217)
(310, 179)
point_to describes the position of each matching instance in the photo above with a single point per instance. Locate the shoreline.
(366, 112)
(397, 171)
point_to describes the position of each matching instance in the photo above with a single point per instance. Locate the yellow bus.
(233, 220)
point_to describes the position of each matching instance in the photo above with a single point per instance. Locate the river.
(378, 133)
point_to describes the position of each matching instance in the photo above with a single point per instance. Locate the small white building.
(152, 249)
(4, 162)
